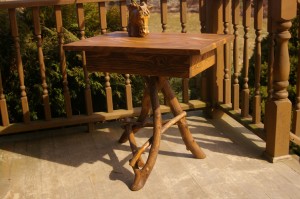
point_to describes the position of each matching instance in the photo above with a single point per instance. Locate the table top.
(158, 54)
(159, 43)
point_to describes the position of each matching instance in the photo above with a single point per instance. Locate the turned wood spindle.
(128, 92)
(258, 19)
(245, 89)
(102, 17)
(87, 90)
(3, 105)
(37, 31)
(164, 10)
(16, 38)
(60, 34)
(236, 85)
(109, 100)
(183, 11)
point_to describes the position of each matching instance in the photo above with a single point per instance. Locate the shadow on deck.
(69, 163)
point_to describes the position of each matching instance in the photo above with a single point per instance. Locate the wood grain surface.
(158, 43)
(158, 54)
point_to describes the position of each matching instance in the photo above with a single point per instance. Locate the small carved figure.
(138, 19)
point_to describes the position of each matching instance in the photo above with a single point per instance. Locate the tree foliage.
(76, 82)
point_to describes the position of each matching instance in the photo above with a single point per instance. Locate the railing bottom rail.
(257, 129)
(85, 119)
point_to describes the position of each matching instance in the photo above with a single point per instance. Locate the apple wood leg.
(182, 124)
(141, 175)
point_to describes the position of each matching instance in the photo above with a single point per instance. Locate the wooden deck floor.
(68, 163)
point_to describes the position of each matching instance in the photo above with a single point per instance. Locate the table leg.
(182, 124)
(142, 118)
(141, 175)
(141, 170)
(130, 129)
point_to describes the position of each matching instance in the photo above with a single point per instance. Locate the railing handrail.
(7, 4)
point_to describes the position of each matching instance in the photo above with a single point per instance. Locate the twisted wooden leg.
(142, 118)
(182, 124)
(141, 170)
(141, 175)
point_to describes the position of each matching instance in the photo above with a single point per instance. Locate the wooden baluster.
(296, 118)
(183, 10)
(271, 45)
(215, 75)
(15, 34)
(128, 92)
(185, 90)
(227, 66)
(87, 91)
(37, 32)
(123, 9)
(236, 85)
(258, 18)
(245, 91)
(271, 50)
(204, 79)
(109, 101)
(60, 33)
(164, 11)
(279, 107)
(3, 105)
(102, 17)
(202, 15)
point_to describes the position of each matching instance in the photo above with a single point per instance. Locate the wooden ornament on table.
(138, 19)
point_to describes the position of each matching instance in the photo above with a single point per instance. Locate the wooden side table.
(156, 57)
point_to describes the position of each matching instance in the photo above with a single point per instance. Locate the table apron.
(183, 66)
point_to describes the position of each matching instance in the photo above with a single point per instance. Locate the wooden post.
(215, 74)
(15, 35)
(271, 44)
(236, 85)
(246, 91)
(183, 10)
(258, 18)
(81, 25)
(109, 99)
(202, 15)
(227, 65)
(163, 13)
(87, 90)
(123, 10)
(60, 34)
(296, 118)
(202, 18)
(128, 92)
(102, 17)
(185, 90)
(38, 34)
(3, 105)
(278, 109)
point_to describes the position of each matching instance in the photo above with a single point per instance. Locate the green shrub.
(76, 82)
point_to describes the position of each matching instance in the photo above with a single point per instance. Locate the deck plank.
(70, 163)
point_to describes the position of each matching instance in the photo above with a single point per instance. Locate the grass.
(173, 22)
(193, 26)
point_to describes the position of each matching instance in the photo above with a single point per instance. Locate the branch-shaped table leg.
(142, 118)
(141, 170)
(141, 175)
(182, 124)
(149, 142)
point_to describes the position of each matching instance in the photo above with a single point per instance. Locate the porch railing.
(226, 87)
